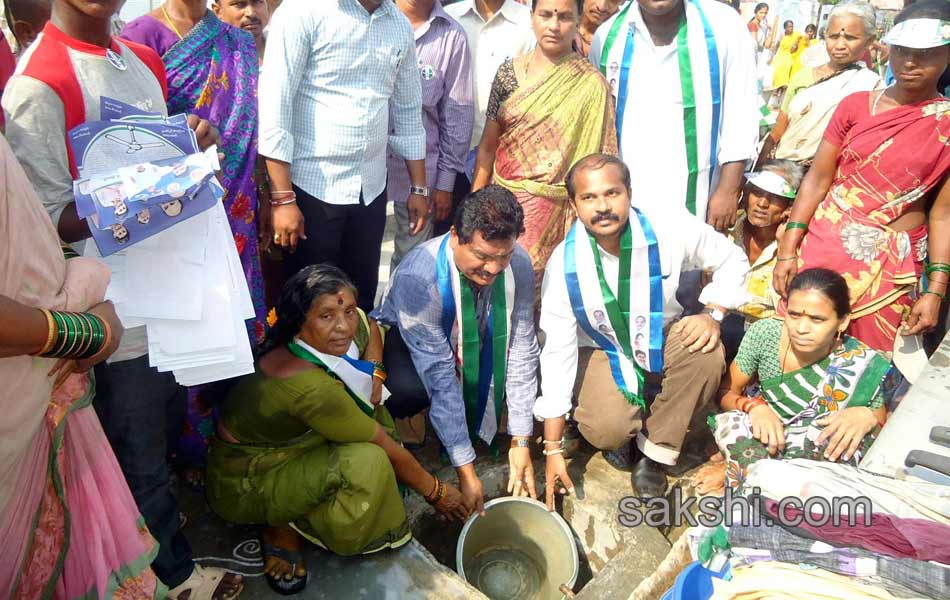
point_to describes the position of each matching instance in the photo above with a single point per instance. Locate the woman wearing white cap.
(877, 185)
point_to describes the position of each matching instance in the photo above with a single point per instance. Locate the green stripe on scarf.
(612, 37)
(471, 350)
(688, 92)
(689, 113)
(618, 308)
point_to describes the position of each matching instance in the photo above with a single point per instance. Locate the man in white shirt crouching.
(610, 316)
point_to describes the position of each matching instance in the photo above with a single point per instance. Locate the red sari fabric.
(886, 162)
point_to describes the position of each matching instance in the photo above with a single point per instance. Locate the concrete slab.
(410, 572)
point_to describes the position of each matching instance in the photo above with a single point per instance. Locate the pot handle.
(566, 590)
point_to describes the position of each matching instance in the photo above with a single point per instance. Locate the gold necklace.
(170, 24)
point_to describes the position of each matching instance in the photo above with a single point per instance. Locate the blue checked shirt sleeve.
(418, 311)
(456, 115)
(409, 137)
(522, 379)
(285, 62)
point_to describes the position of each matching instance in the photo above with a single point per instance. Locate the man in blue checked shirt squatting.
(462, 339)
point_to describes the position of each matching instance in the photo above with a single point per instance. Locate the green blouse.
(759, 351)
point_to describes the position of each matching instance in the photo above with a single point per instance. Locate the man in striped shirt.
(333, 74)
(448, 115)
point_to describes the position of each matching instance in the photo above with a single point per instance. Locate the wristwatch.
(716, 314)
(520, 442)
(421, 191)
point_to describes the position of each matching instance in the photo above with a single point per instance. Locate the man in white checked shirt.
(331, 72)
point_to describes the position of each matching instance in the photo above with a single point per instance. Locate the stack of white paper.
(187, 286)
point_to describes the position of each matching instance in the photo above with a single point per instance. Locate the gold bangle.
(107, 337)
(51, 334)
(61, 329)
(435, 488)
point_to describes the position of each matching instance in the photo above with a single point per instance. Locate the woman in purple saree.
(212, 73)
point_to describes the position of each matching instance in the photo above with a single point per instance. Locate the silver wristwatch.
(421, 191)
(715, 313)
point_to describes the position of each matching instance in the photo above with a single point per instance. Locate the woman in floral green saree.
(302, 444)
(817, 391)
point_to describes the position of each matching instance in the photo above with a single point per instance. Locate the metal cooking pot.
(518, 551)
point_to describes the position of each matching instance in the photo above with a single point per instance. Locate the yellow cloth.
(547, 125)
(758, 281)
(797, 56)
(784, 60)
(782, 581)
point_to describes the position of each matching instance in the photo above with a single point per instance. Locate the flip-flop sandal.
(202, 584)
(194, 478)
(282, 585)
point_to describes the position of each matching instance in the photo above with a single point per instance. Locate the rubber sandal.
(282, 585)
(194, 478)
(202, 584)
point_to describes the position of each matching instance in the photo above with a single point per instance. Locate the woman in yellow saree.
(789, 47)
(547, 109)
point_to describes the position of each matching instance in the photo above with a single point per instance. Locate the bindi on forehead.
(339, 298)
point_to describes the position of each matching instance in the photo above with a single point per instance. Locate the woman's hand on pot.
(452, 503)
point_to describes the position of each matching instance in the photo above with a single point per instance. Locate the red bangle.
(745, 403)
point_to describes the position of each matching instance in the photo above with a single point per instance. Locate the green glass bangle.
(98, 337)
(937, 268)
(60, 335)
(85, 336)
(72, 334)
(94, 337)
(796, 225)
(937, 294)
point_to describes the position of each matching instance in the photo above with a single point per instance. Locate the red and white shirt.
(57, 85)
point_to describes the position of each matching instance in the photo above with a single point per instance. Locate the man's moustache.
(604, 217)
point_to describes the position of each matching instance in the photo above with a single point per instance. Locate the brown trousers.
(689, 385)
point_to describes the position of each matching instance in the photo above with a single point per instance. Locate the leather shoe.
(648, 478)
(622, 458)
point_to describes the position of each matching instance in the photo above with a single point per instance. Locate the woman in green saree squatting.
(302, 444)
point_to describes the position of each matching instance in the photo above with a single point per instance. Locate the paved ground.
(414, 572)
(615, 559)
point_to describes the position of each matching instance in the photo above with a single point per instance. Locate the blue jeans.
(142, 412)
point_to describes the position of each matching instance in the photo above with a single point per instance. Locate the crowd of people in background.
(595, 240)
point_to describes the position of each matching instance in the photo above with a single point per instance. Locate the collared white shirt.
(505, 35)
(331, 71)
(686, 244)
(652, 139)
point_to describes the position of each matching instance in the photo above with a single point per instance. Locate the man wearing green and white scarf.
(611, 319)
(462, 341)
(684, 76)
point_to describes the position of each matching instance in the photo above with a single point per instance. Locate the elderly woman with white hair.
(814, 93)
